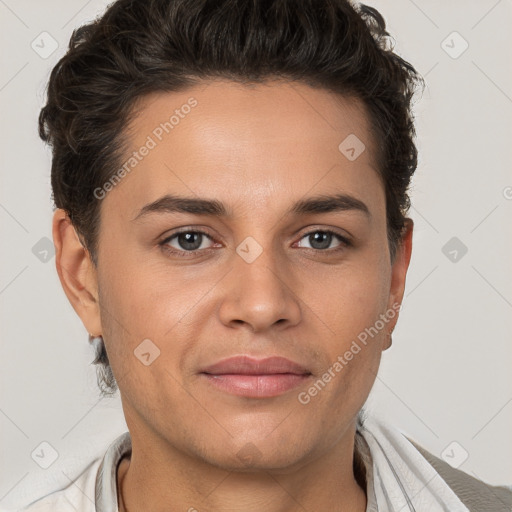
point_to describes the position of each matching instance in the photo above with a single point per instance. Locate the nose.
(260, 294)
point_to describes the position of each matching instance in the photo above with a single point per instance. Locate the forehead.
(252, 144)
(219, 112)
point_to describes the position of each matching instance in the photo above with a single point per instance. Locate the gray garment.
(475, 494)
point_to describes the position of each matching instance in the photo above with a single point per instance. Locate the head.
(264, 110)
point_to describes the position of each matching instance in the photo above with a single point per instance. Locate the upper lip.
(246, 365)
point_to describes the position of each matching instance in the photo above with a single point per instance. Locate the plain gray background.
(447, 377)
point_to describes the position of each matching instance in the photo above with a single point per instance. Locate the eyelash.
(344, 242)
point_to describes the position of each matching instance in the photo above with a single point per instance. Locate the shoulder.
(477, 495)
(79, 495)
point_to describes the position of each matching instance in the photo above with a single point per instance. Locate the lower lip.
(257, 386)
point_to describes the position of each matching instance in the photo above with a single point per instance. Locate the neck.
(334, 481)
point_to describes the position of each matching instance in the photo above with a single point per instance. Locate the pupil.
(317, 238)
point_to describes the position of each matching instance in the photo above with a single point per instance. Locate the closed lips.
(245, 365)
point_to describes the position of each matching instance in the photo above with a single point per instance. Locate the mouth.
(253, 378)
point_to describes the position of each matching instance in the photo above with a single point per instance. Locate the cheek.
(142, 295)
(351, 307)
(352, 299)
(143, 301)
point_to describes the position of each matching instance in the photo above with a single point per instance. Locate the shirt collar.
(106, 479)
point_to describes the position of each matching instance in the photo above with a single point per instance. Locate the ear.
(77, 272)
(398, 274)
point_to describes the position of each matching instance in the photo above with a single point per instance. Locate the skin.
(257, 149)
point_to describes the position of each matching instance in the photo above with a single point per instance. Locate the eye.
(321, 240)
(186, 241)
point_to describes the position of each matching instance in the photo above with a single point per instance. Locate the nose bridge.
(258, 293)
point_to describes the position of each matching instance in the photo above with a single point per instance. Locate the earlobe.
(76, 272)
(389, 340)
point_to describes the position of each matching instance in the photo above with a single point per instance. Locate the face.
(281, 252)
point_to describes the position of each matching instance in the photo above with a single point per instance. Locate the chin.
(260, 454)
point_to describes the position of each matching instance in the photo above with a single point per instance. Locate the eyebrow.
(318, 204)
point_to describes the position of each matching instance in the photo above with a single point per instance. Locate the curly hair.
(142, 46)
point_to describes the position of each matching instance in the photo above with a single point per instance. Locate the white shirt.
(398, 478)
